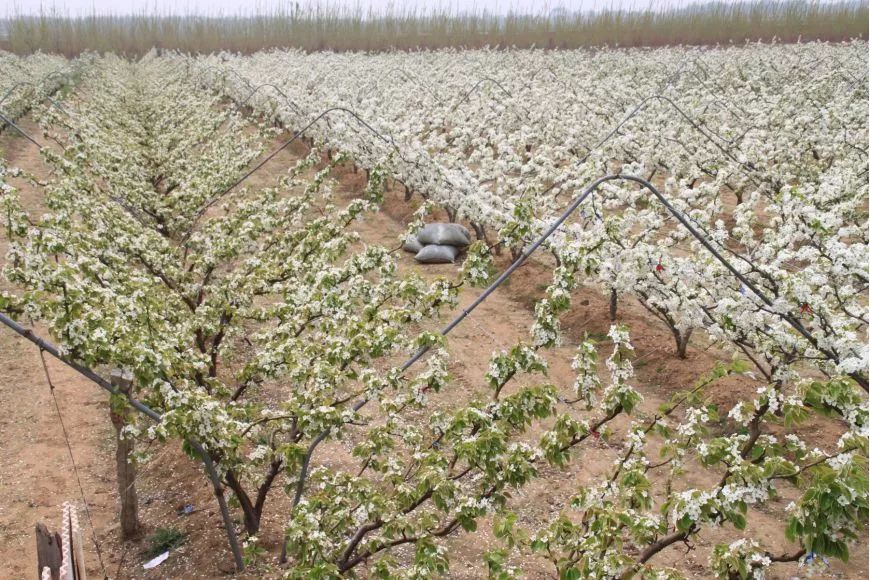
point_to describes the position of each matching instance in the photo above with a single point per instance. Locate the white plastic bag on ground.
(444, 235)
(154, 562)
(435, 254)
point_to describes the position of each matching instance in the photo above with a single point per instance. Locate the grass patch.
(599, 336)
(162, 540)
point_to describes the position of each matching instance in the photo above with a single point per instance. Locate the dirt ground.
(36, 474)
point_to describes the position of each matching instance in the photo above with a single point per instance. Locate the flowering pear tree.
(251, 331)
(258, 324)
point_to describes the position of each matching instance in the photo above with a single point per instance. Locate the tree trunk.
(126, 470)
(479, 232)
(408, 193)
(251, 513)
(614, 302)
(252, 520)
(682, 340)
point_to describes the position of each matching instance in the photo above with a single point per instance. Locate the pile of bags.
(438, 243)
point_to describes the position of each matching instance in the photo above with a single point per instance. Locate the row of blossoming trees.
(27, 80)
(762, 147)
(255, 322)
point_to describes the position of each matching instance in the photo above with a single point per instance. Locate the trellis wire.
(748, 167)
(73, 461)
(24, 133)
(264, 85)
(528, 251)
(45, 346)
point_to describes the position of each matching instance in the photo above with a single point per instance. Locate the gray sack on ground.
(412, 244)
(444, 235)
(435, 254)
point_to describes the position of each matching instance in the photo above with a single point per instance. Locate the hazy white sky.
(228, 7)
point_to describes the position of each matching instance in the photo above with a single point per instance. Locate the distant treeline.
(340, 29)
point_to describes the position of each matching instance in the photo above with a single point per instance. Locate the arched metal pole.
(469, 92)
(860, 378)
(224, 70)
(409, 77)
(477, 85)
(527, 252)
(89, 374)
(746, 166)
(20, 83)
(53, 102)
(791, 320)
(204, 70)
(388, 140)
(280, 92)
(12, 124)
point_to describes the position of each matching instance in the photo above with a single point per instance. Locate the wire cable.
(73, 461)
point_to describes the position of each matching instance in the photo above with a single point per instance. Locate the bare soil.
(36, 474)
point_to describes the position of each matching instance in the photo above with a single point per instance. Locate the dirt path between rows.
(35, 469)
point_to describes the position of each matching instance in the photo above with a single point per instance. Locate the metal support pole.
(145, 410)
(9, 122)
(222, 503)
(859, 377)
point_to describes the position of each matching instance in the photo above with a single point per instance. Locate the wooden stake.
(126, 470)
(48, 552)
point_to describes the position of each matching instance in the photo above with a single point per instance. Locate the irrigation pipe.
(89, 374)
